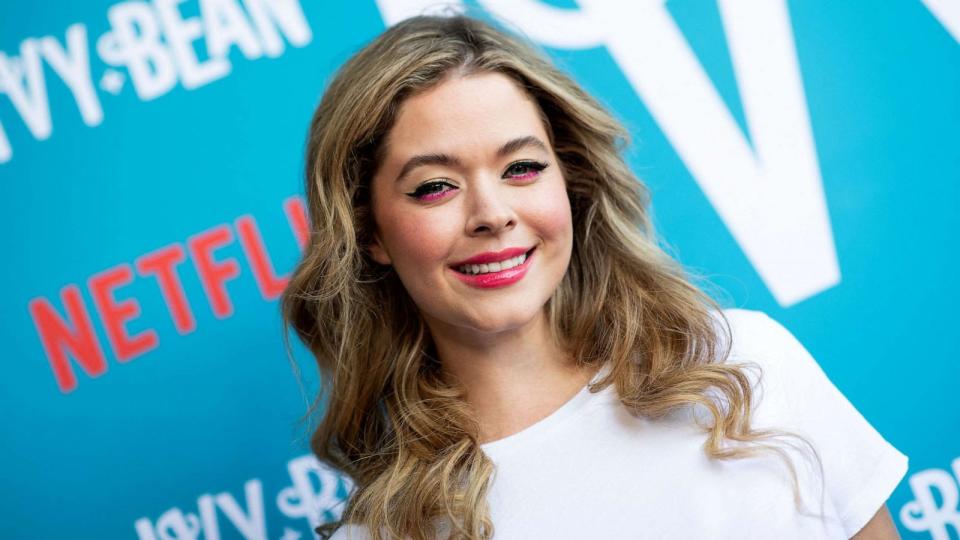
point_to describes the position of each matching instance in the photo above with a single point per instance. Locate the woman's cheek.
(425, 237)
(549, 211)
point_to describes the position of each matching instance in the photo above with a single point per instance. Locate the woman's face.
(471, 207)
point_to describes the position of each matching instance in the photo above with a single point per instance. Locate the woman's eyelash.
(531, 167)
(431, 191)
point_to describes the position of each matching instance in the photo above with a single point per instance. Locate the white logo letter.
(135, 43)
(923, 514)
(73, 66)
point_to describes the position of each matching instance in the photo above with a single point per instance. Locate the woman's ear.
(377, 252)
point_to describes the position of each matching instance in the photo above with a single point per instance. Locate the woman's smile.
(493, 270)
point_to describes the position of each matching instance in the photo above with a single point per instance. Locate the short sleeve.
(861, 468)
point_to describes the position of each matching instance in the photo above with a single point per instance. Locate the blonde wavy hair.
(406, 437)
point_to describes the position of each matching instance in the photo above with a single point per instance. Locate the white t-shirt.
(592, 470)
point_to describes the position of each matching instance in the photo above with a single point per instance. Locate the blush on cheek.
(551, 210)
(420, 241)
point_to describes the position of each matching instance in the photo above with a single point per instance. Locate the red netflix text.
(71, 333)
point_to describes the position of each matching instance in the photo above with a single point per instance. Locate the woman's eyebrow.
(427, 159)
(447, 160)
(519, 143)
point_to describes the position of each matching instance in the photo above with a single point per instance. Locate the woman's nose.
(489, 208)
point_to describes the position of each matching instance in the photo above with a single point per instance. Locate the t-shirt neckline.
(547, 423)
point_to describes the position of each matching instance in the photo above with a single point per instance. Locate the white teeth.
(492, 267)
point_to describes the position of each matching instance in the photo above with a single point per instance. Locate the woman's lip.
(492, 256)
(492, 280)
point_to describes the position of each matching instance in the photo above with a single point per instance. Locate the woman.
(505, 347)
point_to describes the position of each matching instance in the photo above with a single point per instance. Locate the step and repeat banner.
(803, 157)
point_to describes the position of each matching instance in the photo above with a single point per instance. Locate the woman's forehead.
(465, 114)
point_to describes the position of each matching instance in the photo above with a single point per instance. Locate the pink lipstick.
(494, 269)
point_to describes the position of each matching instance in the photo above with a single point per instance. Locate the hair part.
(406, 437)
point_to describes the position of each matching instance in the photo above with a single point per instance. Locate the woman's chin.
(502, 322)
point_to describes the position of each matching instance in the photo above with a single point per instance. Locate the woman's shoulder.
(779, 366)
(760, 340)
(753, 330)
(351, 532)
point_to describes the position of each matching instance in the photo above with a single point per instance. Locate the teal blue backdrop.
(803, 156)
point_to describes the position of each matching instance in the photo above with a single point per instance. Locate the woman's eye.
(431, 191)
(522, 170)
